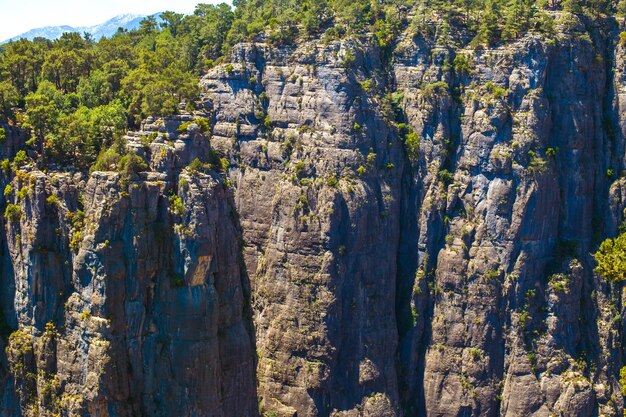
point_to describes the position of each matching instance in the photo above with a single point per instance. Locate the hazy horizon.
(20, 17)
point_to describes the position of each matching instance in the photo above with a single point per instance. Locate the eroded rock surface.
(399, 232)
(126, 304)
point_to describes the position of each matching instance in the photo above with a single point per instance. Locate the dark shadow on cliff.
(245, 284)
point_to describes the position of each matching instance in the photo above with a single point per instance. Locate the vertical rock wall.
(129, 295)
(402, 231)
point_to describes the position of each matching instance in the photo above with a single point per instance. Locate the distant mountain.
(108, 28)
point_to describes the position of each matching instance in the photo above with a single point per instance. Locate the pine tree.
(488, 33)
(572, 6)
(517, 15)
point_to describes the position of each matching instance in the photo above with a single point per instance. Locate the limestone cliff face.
(321, 240)
(126, 303)
(400, 231)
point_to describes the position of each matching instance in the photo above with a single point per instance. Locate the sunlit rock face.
(401, 231)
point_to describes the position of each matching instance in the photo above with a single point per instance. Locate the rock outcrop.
(400, 230)
(129, 295)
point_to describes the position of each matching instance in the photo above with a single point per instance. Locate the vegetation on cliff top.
(78, 96)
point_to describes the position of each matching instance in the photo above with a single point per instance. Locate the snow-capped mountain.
(108, 28)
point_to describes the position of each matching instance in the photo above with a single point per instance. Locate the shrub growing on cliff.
(348, 60)
(462, 65)
(53, 200)
(331, 181)
(183, 127)
(445, 176)
(21, 159)
(300, 168)
(107, 161)
(6, 166)
(412, 144)
(13, 213)
(20, 344)
(76, 239)
(497, 91)
(433, 90)
(177, 206)
(391, 107)
(215, 164)
(132, 164)
(178, 281)
(202, 123)
(611, 259)
(537, 164)
(367, 85)
(475, 353)
(197, 166)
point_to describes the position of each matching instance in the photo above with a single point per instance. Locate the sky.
(19, 16)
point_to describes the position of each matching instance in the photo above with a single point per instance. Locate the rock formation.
(400, 231)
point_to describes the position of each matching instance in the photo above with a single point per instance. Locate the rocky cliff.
(128, 294)
(400, 230)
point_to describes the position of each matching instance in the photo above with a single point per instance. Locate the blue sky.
(19, 16)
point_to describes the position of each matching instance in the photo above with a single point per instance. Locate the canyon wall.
(399, 230)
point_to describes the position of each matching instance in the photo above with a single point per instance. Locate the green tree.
(131, 164)
(316, 16)
(23, 61)
(488, 33)
(63, 68)
(517, 19)
(132, 90)
(108, 123)
(159, 94)
(71, 41)
(9, 99)
(42, 113)
(95, 90)
(66, 145)
(107, 161)
(118, 48)
(171, 21)
(572, 6)
(611, 259)
(147, 26)
(209, 26)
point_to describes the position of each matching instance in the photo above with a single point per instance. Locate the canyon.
(401, 230)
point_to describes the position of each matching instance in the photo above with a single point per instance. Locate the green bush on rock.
(611, 258)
